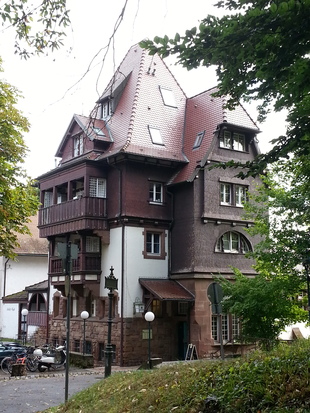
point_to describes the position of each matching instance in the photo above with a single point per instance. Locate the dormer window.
(235, 141)
(98, 131)
(78, 148)
(106, 109)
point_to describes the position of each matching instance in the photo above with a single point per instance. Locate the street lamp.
(84, 316)
(110, 284)
(24, 314)
(149, 317)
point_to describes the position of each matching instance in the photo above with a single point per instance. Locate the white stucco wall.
(10, 316)
(135, 265)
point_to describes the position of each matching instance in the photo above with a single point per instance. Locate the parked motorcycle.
(51, 360)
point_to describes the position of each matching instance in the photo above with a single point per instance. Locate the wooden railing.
(37, 318)
(86, 262)
(85, 207)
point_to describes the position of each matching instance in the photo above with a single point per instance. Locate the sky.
(70, 80)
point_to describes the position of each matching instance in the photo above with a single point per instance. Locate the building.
(24, 285)
(134, 190)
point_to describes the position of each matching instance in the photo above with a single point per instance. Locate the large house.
(135, 190)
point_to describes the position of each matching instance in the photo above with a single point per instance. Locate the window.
(240, 195)
(154, 244)
(156, 136)
(92, 244)
(48, 199)
(76, 346)
(156, 192)
(230, 327)
(238, 142)
(106, 109)
(78, 145)
(232, 194)
(226, 194)
(157, 308)
(198, 139)
(182, 308)
(98, 131)
(93, 308)
(233, 242)
(97, 187)
(235, 142)
(168, 97)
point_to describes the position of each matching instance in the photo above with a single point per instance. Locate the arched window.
(233, 242)
(37, 303)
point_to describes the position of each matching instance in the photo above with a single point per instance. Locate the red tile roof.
(32, 244)
(164, 289)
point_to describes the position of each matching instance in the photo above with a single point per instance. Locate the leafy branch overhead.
(261, 52)
(39, 25)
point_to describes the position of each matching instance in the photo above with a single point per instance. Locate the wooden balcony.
(37, 318)
(86, 268)
(85, 213)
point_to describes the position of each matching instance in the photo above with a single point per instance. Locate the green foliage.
(18, 197)
(38, 25)
(277, 381)
(261, 52)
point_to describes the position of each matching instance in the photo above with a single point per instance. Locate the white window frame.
(239, 142)
(232, 242)
(97, 187)
(240, 195)
(168, 97)
(106, 109)
(225, 140)
(155, 136)
(199, 139)
(156, 193)
(226, 194)
(48, 199)
(153, 243)
(78, 145)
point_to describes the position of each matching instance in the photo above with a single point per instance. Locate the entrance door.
(182, 339)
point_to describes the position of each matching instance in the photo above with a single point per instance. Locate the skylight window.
(198, 139)
(98, 131)
(156, 136)
(168, 97)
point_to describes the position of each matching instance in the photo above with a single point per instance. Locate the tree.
(269, 302)
(39, 25)
(18, 196)
(261, 52)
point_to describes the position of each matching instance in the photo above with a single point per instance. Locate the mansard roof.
(136, 94)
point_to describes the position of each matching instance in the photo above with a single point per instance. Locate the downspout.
(4, 276)
(122, 261)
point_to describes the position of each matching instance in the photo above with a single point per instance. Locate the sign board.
(191, 353)
(215, 295)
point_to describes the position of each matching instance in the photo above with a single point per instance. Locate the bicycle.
(30, 360)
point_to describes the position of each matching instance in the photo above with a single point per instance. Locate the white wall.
(135, 265)
(10, 319)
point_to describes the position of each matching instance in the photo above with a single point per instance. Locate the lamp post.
(84, 316)
(149, 317)
(24, 314)
(110, 284)
(306, 264)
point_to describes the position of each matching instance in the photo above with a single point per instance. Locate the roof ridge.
(135, 102)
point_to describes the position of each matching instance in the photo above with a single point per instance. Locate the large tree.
(39, 24)
(18, 196)
(261, 52)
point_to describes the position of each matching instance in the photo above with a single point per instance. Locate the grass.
(277, 382)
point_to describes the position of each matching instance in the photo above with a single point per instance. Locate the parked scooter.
(49, 360)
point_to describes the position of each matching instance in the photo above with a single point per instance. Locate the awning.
(166, 290)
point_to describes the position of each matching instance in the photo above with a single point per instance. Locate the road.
(35, 393)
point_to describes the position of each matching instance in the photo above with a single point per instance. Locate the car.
(7, 349)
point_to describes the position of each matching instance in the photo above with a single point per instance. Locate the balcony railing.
(85, 263)
(37, 318)
(85, 207)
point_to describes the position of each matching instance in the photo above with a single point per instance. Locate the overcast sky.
(52, 87)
